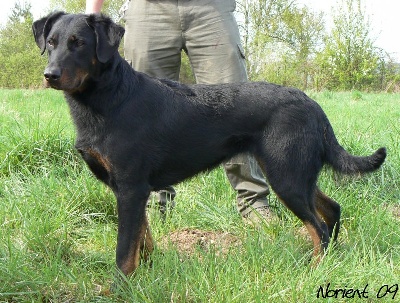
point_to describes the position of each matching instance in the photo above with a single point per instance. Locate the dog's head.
(78, 47)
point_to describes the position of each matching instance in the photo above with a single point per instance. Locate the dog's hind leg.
(292, 161)
(295, 184)
(329, 210)
(303, 208)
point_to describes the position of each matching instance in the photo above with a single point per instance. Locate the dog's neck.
(88, 107)
(108, 83)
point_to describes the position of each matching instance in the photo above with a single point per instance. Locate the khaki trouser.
(156, 33)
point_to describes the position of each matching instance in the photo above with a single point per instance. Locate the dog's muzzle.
(52, 76)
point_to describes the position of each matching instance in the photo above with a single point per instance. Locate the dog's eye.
(79, 43)
(76, 42)
(50, 42)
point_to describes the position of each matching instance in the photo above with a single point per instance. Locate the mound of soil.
(396, 211)
(191, 241)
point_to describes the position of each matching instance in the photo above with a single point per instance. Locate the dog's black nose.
(52, 74)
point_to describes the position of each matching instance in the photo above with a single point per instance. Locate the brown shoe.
(258, 216)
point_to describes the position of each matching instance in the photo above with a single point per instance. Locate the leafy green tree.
(21, 65)
(349, 60)
(261, 18)
(388, 79)
(69, 6)
(280, 40)
(302, 31)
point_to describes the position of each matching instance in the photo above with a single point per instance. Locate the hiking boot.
(258, 216)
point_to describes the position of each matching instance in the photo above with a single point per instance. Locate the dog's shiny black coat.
(139, 134)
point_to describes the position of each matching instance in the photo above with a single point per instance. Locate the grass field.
(58, 224)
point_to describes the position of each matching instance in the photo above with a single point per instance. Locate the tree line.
(283, 42)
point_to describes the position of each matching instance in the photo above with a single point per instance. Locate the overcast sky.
(384, 16)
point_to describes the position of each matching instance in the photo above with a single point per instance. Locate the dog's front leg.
(134, 235)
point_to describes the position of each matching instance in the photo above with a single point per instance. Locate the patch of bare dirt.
(396, 211)
(192, 241)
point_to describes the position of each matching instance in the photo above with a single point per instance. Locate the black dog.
(140, 134)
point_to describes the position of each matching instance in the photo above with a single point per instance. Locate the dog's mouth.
(51, 84)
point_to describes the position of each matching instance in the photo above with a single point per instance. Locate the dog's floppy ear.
(108, 36)
(41, 28)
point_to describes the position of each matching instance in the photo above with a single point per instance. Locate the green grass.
(58, 224)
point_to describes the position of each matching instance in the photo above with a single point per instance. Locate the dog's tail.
(345, 163)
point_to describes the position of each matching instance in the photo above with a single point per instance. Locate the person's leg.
(213, 45)
(212, 41)
(153, 45)
(246, 177)
(153, 40)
